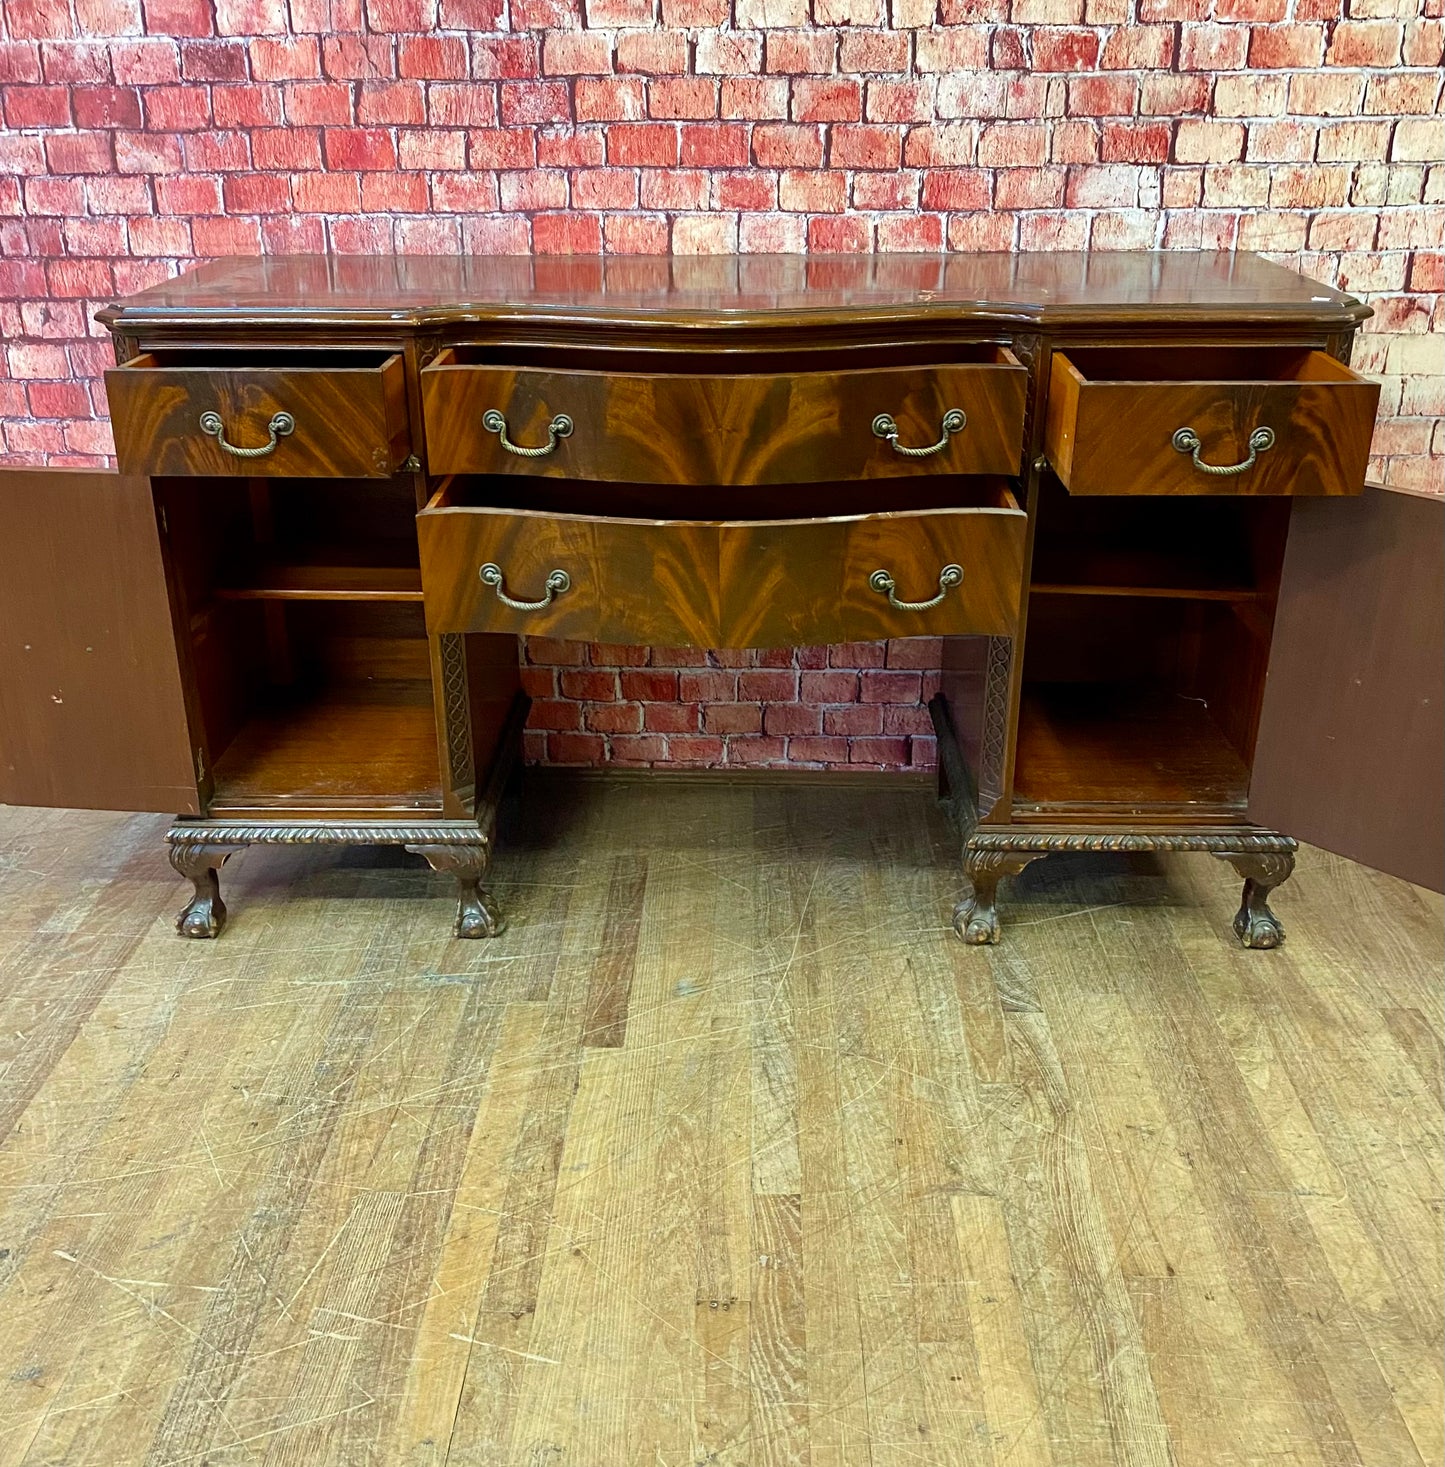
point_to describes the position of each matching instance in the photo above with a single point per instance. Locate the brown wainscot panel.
(1208, 420)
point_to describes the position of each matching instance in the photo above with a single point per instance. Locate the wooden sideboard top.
(1054, 289)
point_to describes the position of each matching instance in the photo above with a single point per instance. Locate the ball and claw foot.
(477, 913)
(1254, 924)
(977, 924)
(205, 914)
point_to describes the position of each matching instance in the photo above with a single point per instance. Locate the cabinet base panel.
(1262, 858)
(199, 848)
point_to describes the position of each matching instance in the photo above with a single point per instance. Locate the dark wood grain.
(92, 713)
(1353, 724)
(1106, 436)
(706, 584)
(710, 428)
(351, 421)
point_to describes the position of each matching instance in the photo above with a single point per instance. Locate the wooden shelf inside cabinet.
(1123, 745)
(281, 580)
(361, 746)
(1101, 571)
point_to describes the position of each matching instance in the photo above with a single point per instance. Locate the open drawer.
(1208, 420)
(722, 583)
(300, 413)
(766, 426)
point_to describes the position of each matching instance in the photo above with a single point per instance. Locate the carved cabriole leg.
(205, 914)
(975, 918)
(477, 912)
(1255, 925)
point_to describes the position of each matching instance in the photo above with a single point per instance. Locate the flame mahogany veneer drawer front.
(1208, 420)
(724, 583)
(766, 427)
(304, 413)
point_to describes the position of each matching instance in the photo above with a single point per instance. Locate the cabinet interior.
(303, 607)
(1148, 638)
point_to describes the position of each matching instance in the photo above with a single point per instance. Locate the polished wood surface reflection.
(721, 1153)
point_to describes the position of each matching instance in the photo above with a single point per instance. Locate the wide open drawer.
(772, 427)
(308, 412)
(1208, 420)
(745, 583)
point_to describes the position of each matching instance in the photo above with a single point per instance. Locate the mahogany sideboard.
(1124, 488)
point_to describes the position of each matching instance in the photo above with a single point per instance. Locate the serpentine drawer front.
(709, 428)
(1208, 420)
(318, 413)
(723, 584)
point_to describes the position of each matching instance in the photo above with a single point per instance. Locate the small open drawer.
(1208, 420)
(700, 426)
(729, 583)
(303, 413)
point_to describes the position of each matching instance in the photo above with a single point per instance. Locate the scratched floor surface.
(726, 1152)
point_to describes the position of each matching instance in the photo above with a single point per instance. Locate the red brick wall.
(140, 135)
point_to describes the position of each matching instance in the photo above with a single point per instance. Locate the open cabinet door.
(1351, 751)
(92, 713)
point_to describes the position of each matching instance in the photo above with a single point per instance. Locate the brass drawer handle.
(559, 427)
(884, 427)
(277, 429)
(1186, 440)
(558, 582)
(885, 585)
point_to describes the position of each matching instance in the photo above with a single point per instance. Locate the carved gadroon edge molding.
(321, 833)
(1223, 843)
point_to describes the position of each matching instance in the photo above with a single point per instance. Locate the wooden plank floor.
(726, 1152)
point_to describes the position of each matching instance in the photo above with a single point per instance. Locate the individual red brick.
(709, 686)
(751, 189)
(251, 17)
(1290, 47)
(503, 235)
(800, 53)
(533, 190)
(567, 234)
(813, 192)
(137, 63)
(402, 16)
(763, 98)
(674, 188)
(947, 145)
(750, 750)
(1060, 49)
(858, 721)
(886, 752)
(463, 105)
(358, 58)
(295, 148)
(714, 145)
(912, 232)
(616, 99)
(170, 18)
(1139, 48)
(359, 149)
(593, 684)
(730, 718)
(691, 749)
(865, 146)
(554, 713)
(690, 97)
(644, 145)
(1173, 96)
(256, 193)
(291, 60)
(19, 61)
(1102, 96)
(672, 717)
(962, 49)
(507, 58)
(235, 108)
(1136, 142)
(1013, 144)
(49, 107)
(653, 52)
(431, 149)
(835, 100)
(817, 750)
(781, 719)
(1212, 47)
(575, 748)
(177, 109)
(784, 146)
(876, 686)
(898, 191)
(769, 685)
(957, 189)
(471, 193)
(326, 193)
(829, 687)
(897, 101)
(637, 749)
(315, 104)
(900, 718)
(727, 53)
(432, 58)
(387, 103)
(213, 151)
(534, 102)
(226, 236)
(1009, 49)
(576, 53)
(613, 718)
